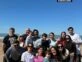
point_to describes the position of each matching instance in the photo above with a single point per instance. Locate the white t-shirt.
(53, 43)
(76, 39)
(27, 57)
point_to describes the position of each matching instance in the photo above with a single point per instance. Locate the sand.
(1, 51)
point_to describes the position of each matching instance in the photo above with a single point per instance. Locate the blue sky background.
(44, 15)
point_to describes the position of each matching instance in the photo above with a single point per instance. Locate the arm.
(8, 53)
(37, 43)
(23, 58)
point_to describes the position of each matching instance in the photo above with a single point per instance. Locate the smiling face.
(53, 51)
(11, 32)
(60, 47)
(63, 35)
(67, 38)
(51, 36)
(70, 31)
(40, 51)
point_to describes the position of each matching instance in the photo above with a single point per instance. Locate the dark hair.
(16, 41)
(44, 34)
(64, 33)
(52, 33)
(39, 47)
(36, 31)
(70, 28)
(63, 51)
(13, 29)
(69, 38)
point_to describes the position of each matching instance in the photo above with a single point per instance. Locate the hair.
(52, 33)
(48, 52)
(64, 33)
(16, 41)
(63, 51)
(69, 38)
(36, 31)
(70, 28)
(44, 34)
(13, 29)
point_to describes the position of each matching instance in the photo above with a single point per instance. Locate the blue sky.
(44, 15)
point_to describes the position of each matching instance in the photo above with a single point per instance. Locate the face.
(11, 32)
(30, 48)
(63, 35)
(27, 32)
(43, 37)
(48, 55)
(40, 50)
(21, 38)
(53, 51)
(60, 47)
(51, 36)
(70, 31)
(15, 44)
(35, 33)
(67, 38)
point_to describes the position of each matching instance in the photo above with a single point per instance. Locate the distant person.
(26, 34)
(62, 39)
(76, 39)
(71, 46)
(39, 55)
(28, 56)
(9, 39)
(44, 42)
(13, 54)
(52, 39)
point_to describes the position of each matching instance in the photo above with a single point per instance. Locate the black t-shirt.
(8, 40)
(45, 44)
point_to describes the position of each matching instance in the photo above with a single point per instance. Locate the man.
(13, 54)
(9, 39)
(26, 34)
(77, 40)
(28, 56)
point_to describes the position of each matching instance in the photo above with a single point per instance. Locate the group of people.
(31, 47)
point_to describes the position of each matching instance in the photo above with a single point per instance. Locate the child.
(47, 56)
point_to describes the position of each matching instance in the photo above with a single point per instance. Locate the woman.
(71, 47)
(28, 56)
(62, 39)
(52, 39)
(39, 55)
(47, 56)
(62, 53)
(21, 41)
(53, 55)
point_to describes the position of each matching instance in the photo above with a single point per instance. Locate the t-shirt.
(14, 52)
(27, 57)
(8, 40)
(38, 59)
(76, 39)
(52, 43)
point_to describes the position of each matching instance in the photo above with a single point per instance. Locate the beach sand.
(1, 51)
